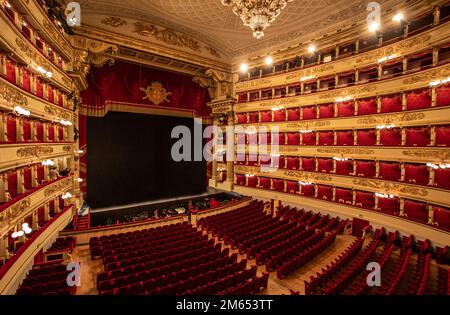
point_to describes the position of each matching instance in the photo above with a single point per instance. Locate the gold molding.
(391, 188)
(34, 151)
(114, 21)
(11, 95)
(9, 215)
(59, 187)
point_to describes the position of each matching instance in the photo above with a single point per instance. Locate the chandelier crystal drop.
(257, 14)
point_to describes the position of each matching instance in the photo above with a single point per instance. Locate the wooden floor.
(90, 269)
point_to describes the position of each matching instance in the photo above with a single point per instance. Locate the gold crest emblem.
(156, 94)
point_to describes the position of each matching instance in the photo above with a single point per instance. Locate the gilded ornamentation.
(166, 35)
(55, 34)
(388, 119)
(441, 155)
(309, 125)
(391, 188)
(58, 113)
(114, 21)
(11, 95)
(213, 52)
(345, 151)
(67, 148)
(308, 176)
(8, 216)
(436, 74)
(353, 91)
(58, 187)
(32, 54)
(156, 94)
(33, 151)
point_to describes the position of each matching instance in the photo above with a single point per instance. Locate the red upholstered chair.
(253, 117)
(367, 106)
(390, 171)
(279, 115)
(12, 184)
(366, 168)
(416, 211)
(442, 178)
(240, 179)
(50, 94)
(389, 205)
(308, 164)
(308, 190)
(39, 88)
(292, 163)
(60, 133)
(325, 192)
(252, 181)
(345, 109)
(417, 137)
(51, 132)
(326, 137)
(344, 167)
(443, 95)
(416, 174)
(326, 111)
(26, 80)
(11, 71)
(418, 99)
(309, 138)
(442, 217)
(40, 173)
(11, 128)
(367, 137)
(60, 100)
(292, 187)
(293, 138)
(264, 182)
(252, 138)
(344, 137)
(391, 103)
(365, 200)
(242, 118)
(293, 114)
(264, 138)
(443, 136)
(27, 178)
(278, 184)
(309, 112)
(391, 137)
(325, 165)
(344, 196)
(252, 159)
(266, 116)
(281, 138)
(26, 130)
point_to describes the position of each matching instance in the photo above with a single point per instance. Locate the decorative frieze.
(34, 151)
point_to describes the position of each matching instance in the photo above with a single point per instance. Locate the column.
(405, 65)
(46, 212)
(433, 135)
(435, 56)
(402, 207)
(4, 246)
(430, 214)
(437, 15)
(34, 182)
(404, 101)
(20, 180)
(34, 221)
(380, 71)
(230, 164)
(433, 97)
(376, 202)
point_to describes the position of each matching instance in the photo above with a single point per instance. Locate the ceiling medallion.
(257, 14)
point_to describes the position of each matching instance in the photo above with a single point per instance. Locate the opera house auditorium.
(225, 148)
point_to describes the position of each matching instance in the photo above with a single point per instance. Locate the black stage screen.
(129, 160)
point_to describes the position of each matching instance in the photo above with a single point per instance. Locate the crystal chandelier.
(257, 14)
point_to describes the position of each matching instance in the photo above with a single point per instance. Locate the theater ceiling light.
(21, 111)
(268, 60)
(305, 131)
(398, 17)
(65, 122)
(390, 126)
(437, 166)
(243, 67)
(387, 58)
(380, 195)
(249, 175)
(257, 14)
(311, 77)
(343, 99)
(311, 49)
(306, 183)
(67, 195)
(439, 82)
(8, 5)
(341, 159)
(374, 26)
(48, 163)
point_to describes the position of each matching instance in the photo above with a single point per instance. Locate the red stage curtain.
(242, 118)
(309, 112)
(253, 117)
(365, 200)
(344, 137)
(51, 132)
(391, 137)
(11, 130)
(443, 95)
(367, 137)
(392, 103)
(442, 178)
(281, 138)
(309, 138)
(266, 116)
(60, 133)
(308, 191)
(26, 130)
(308, 164)
(416, 210)
(417, 137)
(326, 138)
(293, 138)
(416, 174)
(346, 109)
(52, 208)
(252, 160)
(279, 115)
(344, 167)
(292, 163)
(12, 184)
(367, 106)
(40, 131)
(325, 192)
(418, 99)
(442, 217)
(27, 178)
(344, 196)
(26, 78)
(11, 71)
(50, 94)
(240, 179)
(252, 181)
(366, 168)
(326, 111)
(291, 187)
(388, 205)
(443, 136)
(390, 171)
(278, 184)
(325, 165)
(264, 182)
(293, 114)
(40, 173)
(41, 216)
(39, 88)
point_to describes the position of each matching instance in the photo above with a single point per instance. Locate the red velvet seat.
(26, 80)
(391, 137)
(443, 136)
(308, 190)
(11, 129)
(292, 163)
(242, 118)
(264, 182)
(418, 99)
(344, 167)
(241, 138)
(325, 165)
(252, 181)
(292, 187)
(442, 178)
(326, 111)
(12, 184)
(293, 138)
(293, 114)
(325, 192)
(416, 174)
(367, 106)
(264, 138)
(309, 112)
(366, 168)
(278, 161)
(252, 139)
(11, 71)
(281, 140)
(365, 200)
(279, 115)
(253, 117)
(278, 184)
(366, 137)
(266, 116)
(309, 138)
(443, 95)
(326, 138)
(308, 164)
(389, 205)
(344, 196)
(345, 109)
(391, 103)
(390, 171)
(252, 159)
(344, 138)
(441, 216)
(416, 210)
(240, 179)
(417, 137)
